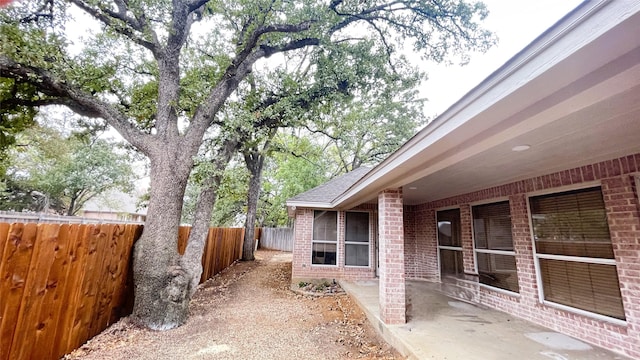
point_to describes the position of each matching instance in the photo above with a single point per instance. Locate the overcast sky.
(516, 23)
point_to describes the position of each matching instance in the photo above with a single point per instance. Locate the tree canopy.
(48, 171)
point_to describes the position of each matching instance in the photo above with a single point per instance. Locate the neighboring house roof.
(323, 195)
(572, 96)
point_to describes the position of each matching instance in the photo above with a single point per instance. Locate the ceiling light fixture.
(519, 148)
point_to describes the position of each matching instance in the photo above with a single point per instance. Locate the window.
(495, 257)
(574, 252)
(450, 243)
(325, 237)
(356, 239)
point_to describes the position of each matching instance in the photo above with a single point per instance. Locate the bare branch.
(109, 18)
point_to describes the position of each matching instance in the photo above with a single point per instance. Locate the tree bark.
(161, 283)
(192, 258)
(255, 162)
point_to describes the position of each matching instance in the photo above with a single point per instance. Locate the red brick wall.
(392, 271)
(621, 202)
(303, 232)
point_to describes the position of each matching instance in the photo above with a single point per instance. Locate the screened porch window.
(324, 244)
(574, 252)
(494, 246)
(356, 239)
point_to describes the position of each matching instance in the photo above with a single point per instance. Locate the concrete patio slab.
(440, 327)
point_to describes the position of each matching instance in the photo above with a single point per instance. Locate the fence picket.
(28, 325)
(15, 269)
(277, 239)
(60, 284)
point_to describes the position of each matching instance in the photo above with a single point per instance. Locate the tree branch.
(80, 102)
(109, 18)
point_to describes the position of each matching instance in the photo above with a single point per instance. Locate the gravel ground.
(248, 312)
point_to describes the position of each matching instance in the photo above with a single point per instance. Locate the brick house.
(522, 196)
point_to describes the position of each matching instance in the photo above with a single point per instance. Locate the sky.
(516, 23)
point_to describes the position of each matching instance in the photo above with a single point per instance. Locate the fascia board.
(309, 204)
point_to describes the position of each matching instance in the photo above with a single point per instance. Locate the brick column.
(392, 272)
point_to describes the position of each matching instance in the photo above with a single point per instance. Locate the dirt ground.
(249, 312)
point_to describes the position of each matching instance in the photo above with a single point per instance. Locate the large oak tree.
(160, 72)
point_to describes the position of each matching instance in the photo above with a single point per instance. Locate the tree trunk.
(161, 284)
(255, 162)
(192, 259)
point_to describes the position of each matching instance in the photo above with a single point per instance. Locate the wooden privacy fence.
(277, 239)
(61, 284)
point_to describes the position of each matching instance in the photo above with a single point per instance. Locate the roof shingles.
(330, 190)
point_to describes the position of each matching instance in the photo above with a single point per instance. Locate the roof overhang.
(575, 87)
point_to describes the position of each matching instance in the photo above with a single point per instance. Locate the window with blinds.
(495, 257)
(450, 243)
(574, 251)
(356, 239)
(324, 244)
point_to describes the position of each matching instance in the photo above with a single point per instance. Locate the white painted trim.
(496, 252)
(500, 290)
(309, 204)
(536, 264)
(636, 179)
(453, 248)
(565, 188)
(580, 259)
(337, 241)
(585, 313)
(368, 243)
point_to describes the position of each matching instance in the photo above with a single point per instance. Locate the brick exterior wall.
(418, 251)
(616, 178)
(392, 267)
(303, 233)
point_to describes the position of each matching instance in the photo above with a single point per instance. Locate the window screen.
(325, 237)
(450, 243)
(356, 239)
(494, 246)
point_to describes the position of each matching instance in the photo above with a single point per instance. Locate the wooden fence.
(277, 239)
(61, 284)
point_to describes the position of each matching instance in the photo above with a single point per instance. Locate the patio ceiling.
(573, 96)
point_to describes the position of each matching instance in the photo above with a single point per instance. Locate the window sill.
(499, 290)
(585, 313)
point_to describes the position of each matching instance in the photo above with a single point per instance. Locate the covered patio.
(441, 327)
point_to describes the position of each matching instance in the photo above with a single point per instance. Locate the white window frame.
(368, 243)
(446, 247)
(587, 260)
(488, 251)
(336, 242)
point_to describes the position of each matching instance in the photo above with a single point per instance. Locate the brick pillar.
(392, 273)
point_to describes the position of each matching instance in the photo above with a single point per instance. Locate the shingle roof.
(333, 188)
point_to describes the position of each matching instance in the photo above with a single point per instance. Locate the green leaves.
(67, 171)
